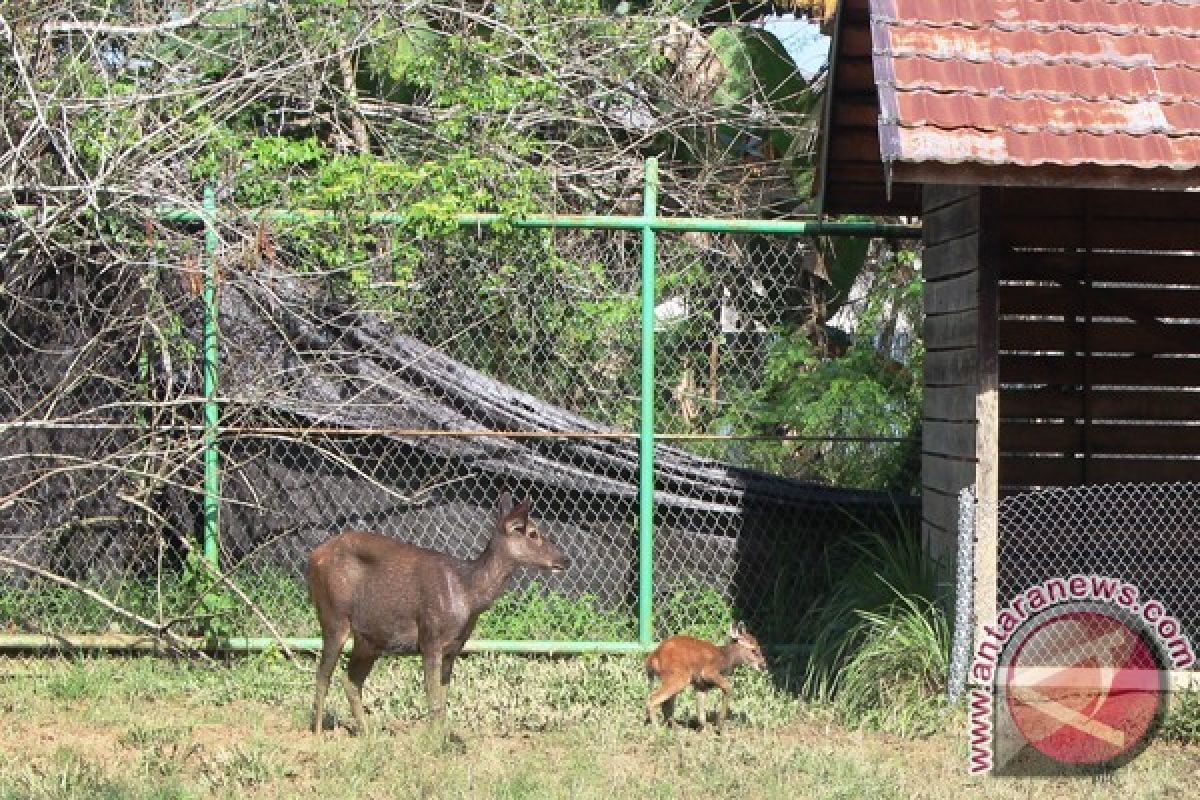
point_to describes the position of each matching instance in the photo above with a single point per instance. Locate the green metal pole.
(646, 442)
(801, 227)
(212, 464)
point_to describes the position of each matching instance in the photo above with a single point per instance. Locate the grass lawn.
(524, 728)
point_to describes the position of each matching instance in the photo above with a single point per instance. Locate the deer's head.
(518, 537)
(743, 648)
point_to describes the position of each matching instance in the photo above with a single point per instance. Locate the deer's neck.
(488, 575)
(729, 658)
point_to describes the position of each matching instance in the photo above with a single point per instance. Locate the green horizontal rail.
(798, 227)
(472, 646)
(812, 227)
(258, 644)
(137, 642)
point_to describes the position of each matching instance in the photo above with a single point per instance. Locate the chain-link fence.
(1127, 549)
(401, 392)
(1144, 534)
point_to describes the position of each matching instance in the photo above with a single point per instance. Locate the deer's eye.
(532, 533)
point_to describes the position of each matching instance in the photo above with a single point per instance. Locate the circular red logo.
(1085, 687)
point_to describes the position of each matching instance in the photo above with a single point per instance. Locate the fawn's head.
(743, 648)
(518, 537)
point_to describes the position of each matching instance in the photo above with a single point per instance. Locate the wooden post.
(987, 415)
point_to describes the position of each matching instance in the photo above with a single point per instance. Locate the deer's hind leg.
(362, 659)
(664, 696)
(331, 652)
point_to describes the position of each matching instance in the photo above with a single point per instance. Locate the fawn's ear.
(734, 632)
(741, 628)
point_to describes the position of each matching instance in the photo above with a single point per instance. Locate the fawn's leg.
(668, 710)
(700, 710)
(667, 690)
(331, 651)
(362, 658)
(723, 684)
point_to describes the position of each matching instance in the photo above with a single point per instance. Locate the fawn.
(396, 597)
(683, 660)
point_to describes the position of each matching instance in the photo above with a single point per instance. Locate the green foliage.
(866, 574)
(844, 258)
(695, 610)
(533, 613)
(403, 53)
(855, 395)
(808, 392)
(214, 603)
(1182, 721)
(880, 638)
(473, 112)
(896, 679)
(759, 69)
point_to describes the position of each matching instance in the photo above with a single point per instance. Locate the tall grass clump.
(880, 639)
(896, 679)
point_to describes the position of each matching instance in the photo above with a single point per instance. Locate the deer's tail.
(652, 665)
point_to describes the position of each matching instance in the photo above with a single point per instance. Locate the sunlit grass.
(521, 726)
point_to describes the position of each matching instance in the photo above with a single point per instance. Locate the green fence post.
(646, 441)
(212, 465)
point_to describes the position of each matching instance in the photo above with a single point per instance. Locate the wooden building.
(1052, 150)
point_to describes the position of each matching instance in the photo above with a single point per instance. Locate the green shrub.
(896, 678)
(866, 574)
(533, 613)
(694, 609)
(1182, 721)
(880, 640)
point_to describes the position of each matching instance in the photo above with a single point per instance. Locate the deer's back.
(683, 654)
(377, 582)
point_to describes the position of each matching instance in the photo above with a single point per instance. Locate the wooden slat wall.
(950, 263)
(1099, 336)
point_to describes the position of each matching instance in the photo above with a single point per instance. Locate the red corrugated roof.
(1113, 83)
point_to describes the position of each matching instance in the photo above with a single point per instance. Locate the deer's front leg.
(435, 690)
(448, 666)
(724, 686)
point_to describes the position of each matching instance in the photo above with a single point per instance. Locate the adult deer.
(684, 660)
(396, 597)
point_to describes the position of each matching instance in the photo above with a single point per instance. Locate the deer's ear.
(733, 632)
(741, 628)
(513, 517)
(506, 504)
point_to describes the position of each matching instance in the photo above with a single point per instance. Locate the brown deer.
(683, 660)
(396, 597)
